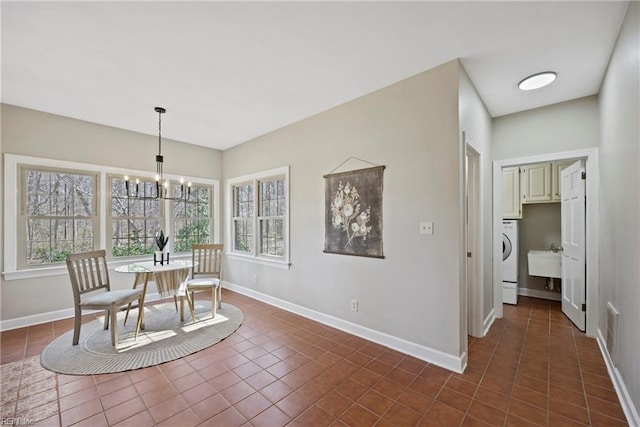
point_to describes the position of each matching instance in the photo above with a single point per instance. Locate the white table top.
(148, 267)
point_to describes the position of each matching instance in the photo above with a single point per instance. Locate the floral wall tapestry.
(353, 212)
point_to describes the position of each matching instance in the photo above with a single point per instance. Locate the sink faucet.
(555, 248)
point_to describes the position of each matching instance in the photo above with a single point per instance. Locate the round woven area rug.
(164, 338)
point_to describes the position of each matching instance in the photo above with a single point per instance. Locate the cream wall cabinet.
(536, 183)
(511, 205)
(556, 169)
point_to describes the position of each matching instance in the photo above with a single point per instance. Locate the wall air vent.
(612, 332)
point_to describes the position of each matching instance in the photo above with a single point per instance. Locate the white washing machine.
(510, 262)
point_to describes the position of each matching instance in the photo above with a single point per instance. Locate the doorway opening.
(590, 158)
(473, 240)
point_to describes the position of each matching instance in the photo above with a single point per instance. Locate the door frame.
(592, 237)
(473, 233)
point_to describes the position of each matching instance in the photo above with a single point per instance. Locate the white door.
(474, 282)
(573, 243)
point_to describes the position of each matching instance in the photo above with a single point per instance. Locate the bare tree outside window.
(134, 222)
(243, 218)
(59, 212)
(192, 218)
(271, 217)
(260, 210)
(64, 207)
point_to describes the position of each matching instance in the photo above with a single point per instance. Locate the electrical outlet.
(354, 305)
(426, 228)
(255, 278)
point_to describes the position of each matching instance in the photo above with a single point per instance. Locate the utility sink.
(545, 264)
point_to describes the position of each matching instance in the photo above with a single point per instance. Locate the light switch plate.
(426, 228)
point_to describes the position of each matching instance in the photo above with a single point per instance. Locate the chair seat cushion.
(205, 282)
(112, 297)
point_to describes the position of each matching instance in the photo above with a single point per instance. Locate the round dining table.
(170, 279)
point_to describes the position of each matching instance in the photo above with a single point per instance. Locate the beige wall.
(620, 201)
(33, 133)
(566, 126)
(412, 128)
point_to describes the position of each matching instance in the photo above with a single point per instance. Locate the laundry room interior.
(532, 238)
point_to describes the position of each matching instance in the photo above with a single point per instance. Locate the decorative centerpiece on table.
(161, 256)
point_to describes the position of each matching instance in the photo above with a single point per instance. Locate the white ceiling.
(228, 72)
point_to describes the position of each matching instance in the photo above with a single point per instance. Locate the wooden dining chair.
(92, 291)
(206, 274)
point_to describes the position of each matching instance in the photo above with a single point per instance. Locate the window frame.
(254, 255)
(23, 217)
(12, 206)
(235, 218)
(213, 206)
(262, 218)
(166, 218)
(110, 218)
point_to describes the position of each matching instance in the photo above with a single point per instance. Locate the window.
(134, 222)
(56, 207)
(259, 216)
(58, 214)
(243, 218)
(271, 217)
(192, 217)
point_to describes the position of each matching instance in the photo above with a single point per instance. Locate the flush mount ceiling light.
(538, 80)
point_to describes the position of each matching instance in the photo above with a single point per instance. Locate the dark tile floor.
(534, 368)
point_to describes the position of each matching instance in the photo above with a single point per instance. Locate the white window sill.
(283, 265)
(32, 273)
(60, 270)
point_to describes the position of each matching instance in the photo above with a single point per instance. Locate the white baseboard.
(430, 355)
(36, 319)
(626, 402)
(553, 296)
(52, 316)
(486, 325)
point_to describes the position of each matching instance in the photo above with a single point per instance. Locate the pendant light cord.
(160, 133)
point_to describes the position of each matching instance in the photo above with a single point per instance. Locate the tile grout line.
(298, 337)
(493, 351)
(584, 391)
(526, 332)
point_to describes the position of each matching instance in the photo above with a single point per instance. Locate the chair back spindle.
(207, 260)
(88, 272)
